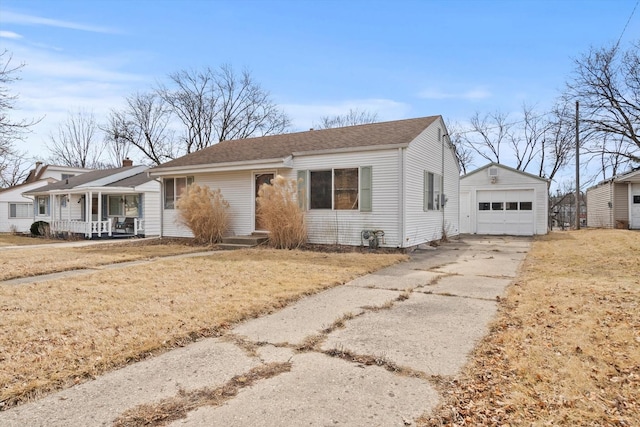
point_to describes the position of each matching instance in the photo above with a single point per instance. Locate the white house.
(16, 210)
(615, 202)
(102, 203)
(497, 199)
(400, 177)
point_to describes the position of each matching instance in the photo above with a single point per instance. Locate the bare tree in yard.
(464, 154)
(76, 142)
(245, 109)
(195, 102)
(12, 169)
(144, 123)
(606, 82)
(488, 135)
(539, 143)
(117, 148)
(352, 118)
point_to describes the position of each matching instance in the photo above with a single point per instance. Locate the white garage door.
(505, 212)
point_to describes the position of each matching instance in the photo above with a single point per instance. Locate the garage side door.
(505, 212)
(634, 218)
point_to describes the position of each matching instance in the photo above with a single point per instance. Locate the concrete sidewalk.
(364, 354)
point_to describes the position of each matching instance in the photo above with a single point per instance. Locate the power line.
(627, 24)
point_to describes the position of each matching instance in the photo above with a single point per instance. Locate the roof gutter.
(350, 149)
(223, 167)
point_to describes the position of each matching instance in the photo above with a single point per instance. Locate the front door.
(260, 178)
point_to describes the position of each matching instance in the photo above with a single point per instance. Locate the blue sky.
(401, 59)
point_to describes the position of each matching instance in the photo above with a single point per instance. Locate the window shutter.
(365, 189)
(302, 189)
(425, 192)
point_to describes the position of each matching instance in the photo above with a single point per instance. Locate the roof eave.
(223, 167)
(350, 149)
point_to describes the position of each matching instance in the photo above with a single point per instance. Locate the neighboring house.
(102, 203)
(497, 199)
(16, 210)
(400, 177)
(615, 202)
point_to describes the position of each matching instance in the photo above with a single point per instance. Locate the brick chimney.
(127, 162)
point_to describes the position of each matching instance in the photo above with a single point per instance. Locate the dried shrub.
(280, 214)
(205, 212)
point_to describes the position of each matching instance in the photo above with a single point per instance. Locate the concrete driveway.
(368, 353)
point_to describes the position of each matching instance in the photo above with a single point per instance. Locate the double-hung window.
(20, 210)
(432, 191)
(174, 188)
(42, 205)
(338, 189)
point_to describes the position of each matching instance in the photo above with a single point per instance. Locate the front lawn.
(57, 333)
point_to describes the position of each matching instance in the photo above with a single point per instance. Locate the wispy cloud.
(10, 35)
(473, 94)
(19, 18)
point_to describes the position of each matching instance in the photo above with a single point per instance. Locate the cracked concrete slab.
(397, 277)
(311, 315)
(488, 266)
(322, 391)
(209, 362)
(429, 333)
(469, 286)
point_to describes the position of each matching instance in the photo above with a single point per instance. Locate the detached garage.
(497, 199)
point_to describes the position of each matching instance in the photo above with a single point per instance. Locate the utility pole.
(577, 167)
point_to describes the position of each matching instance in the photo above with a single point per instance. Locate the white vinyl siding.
(345, 226)
(425, 153)
(600, 206)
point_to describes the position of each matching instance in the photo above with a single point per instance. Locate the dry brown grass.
(279, 211)
(27, 262)
(205, 212)
(56, 333)
(565, 348)
(9, 239)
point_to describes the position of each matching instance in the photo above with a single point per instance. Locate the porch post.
(99, 214)
(88, 214)
(69, 207)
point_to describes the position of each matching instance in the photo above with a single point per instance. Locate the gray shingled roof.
(132, 181)
(74, 181)
(284, 145)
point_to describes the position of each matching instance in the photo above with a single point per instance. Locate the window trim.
(171, 204)
(29, 209)
(363, 188)
(47, 205)
(432, 189)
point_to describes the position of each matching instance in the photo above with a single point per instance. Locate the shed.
(615, 202)
(497, 199)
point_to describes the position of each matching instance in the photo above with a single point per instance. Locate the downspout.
(441, 201)
(401, 180)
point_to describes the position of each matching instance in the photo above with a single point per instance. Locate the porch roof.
(105, 180)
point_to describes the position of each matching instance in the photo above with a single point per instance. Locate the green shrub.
(280, 214)
(205, 212)
(40, 228)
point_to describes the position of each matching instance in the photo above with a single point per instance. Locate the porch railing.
(88, 228)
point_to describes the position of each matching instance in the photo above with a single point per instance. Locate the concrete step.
(253, 240)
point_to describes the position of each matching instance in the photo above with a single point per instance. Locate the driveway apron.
(368, 353)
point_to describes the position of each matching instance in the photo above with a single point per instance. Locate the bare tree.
(76, 143)
(606, 82)
(557, 142)
(195, 102)
(488, 135)
(11, 131)
(144, 124)
(245, 109)
(464, 154)
(352, 118)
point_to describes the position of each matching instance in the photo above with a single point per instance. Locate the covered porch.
(96, 213)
